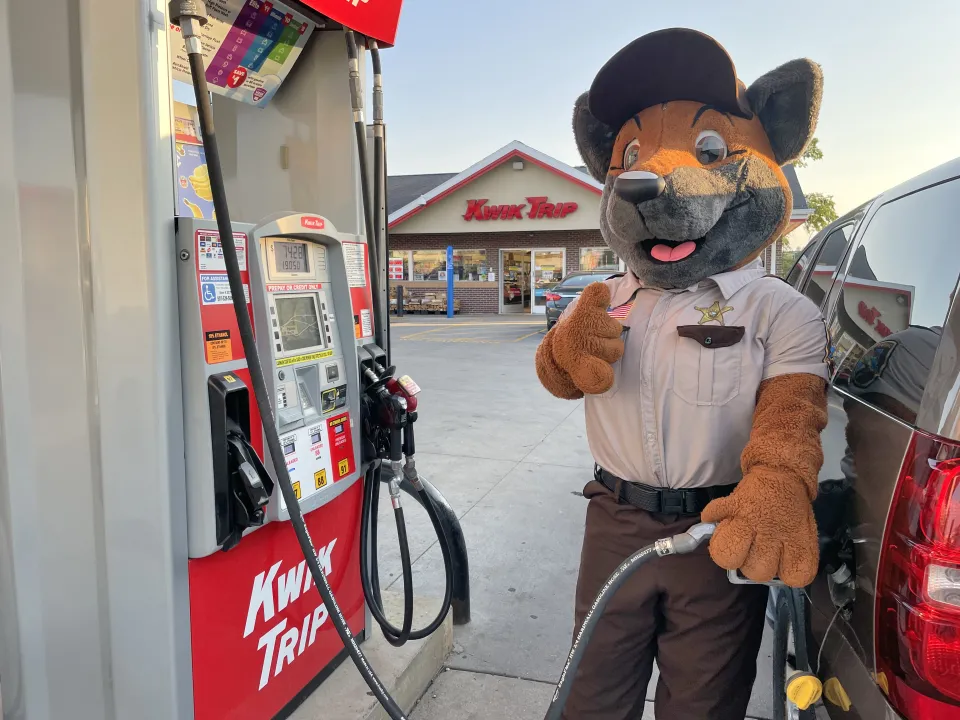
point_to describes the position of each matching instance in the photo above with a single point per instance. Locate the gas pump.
(289, 414)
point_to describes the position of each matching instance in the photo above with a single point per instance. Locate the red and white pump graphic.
(377, 19)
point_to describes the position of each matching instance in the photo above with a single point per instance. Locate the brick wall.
(773, 257)
(473, 298)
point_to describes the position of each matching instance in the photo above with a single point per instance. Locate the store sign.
(395, 268)
(872, 316)
(540, 208)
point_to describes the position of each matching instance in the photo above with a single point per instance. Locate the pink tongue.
(665, 253)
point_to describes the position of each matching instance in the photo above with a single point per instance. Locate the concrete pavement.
(512, 460)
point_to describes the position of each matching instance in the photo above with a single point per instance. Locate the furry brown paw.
(765, 529)
(587, 342)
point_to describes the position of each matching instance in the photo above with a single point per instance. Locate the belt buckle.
(672, 502)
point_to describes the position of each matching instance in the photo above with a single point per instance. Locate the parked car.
(559, 296)
(880, 625)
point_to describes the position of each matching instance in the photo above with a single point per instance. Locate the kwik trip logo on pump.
(272, 592)
(540, 208)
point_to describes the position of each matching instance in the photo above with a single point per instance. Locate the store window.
(428, 264)
(399, 265)
(598, 258)
(470, 265)
(467, 265)
(896, 293)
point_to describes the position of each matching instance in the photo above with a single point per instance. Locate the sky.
(464, 79)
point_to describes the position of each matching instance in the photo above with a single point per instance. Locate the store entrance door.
(548, 266)
(515, 281)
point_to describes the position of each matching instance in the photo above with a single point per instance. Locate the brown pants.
(681, 611)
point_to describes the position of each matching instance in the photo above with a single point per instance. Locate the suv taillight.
(918, 593)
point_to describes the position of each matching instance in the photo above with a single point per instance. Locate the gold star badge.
(714, 313)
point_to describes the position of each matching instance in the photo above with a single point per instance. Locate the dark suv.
(880, 626)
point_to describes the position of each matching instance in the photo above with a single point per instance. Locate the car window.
(582, 280)
(793, 277)
(898, 288)
(832, 250)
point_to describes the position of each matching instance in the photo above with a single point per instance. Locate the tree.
(823, 210)
(811, 154)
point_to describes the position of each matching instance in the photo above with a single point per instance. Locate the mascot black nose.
(637, 186)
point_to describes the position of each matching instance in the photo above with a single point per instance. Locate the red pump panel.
(377, 19)
(260, 632)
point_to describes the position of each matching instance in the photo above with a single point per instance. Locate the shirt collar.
(733, 281)
(729, 282)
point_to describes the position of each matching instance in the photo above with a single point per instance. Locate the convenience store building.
(518, 220)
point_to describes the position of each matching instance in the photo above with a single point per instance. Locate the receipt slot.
(259, 632)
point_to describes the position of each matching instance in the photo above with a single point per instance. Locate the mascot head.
(690, 157)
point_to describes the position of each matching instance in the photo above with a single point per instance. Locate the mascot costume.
(704, 378)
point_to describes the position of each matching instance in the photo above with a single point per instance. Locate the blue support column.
(450, 281)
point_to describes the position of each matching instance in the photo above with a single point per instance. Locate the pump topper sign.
(249, 47)
(540, 208)
(377, 19)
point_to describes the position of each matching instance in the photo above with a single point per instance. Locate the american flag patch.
(619, 313)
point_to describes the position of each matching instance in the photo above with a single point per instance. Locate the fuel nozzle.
(250, 488)
(685, 542)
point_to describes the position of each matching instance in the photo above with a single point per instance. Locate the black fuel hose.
(370, 574)
(677, 545)
(369, 570)
(368, 529)
(225, 228)
(360, 129)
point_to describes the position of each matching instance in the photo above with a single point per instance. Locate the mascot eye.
(710, 147)
(631, 154)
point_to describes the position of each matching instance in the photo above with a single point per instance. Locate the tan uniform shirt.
(680, 411)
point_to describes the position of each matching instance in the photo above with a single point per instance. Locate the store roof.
(403, 189)
(409, 194)
(418, 197)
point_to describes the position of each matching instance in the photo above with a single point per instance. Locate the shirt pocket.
(708, 364)
(617, 369)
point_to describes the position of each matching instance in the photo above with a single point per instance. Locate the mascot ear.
(594, 139)
(787, 100)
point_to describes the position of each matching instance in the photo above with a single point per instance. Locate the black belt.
(691, 501)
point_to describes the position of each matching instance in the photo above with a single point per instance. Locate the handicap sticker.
(215, 289)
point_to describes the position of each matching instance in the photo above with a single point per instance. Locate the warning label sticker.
(353, 257)
(304, 358)
(366, 323)
(219, 349)
(215, 289)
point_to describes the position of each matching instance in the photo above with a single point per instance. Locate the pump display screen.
(291, 257)
(299, 322)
